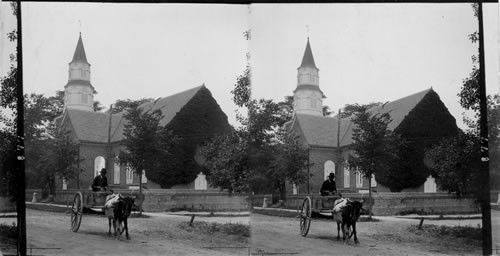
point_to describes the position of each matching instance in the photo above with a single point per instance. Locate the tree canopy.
(375, 147)
(257, 156)
(148, 145)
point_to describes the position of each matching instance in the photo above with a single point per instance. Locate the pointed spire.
(308, 59)
(79, 55)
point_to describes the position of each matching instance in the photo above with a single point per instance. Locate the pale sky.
(137, 50)
(365, 52)
(370, 52)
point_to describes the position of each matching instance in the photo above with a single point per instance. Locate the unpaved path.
(150, 236)
(273, 234)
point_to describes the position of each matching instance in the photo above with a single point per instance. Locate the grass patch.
(212, 228)
(467, 232)
(8, 234)
(48, 208)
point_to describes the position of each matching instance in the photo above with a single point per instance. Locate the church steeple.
(308, 98)
(308, 59)
(79, 92)
(79, 55)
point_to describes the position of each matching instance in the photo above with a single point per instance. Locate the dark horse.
(347, 217)
(120, 212)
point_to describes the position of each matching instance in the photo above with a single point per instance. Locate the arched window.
(130, 175)
(329, 168)
(116, 178)
(99, 163)
(347, 177)
(359, 179)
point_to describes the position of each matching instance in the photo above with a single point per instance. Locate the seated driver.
(100, 181)
(329, 188)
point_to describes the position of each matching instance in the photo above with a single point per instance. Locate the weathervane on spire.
(80, 22)
(307, 29)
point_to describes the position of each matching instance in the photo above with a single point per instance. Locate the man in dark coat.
(100, 181)
(329, 187)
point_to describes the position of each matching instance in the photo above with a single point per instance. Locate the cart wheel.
(76, 212)
(305, 216)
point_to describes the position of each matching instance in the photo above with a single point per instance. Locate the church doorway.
(329, 168)
(99, 163)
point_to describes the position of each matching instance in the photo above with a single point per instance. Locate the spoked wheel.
(76, 212)
(305, 216)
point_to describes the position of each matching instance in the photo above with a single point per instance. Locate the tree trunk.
(370, 197)
(141, 197)
(52, 185)
(283, 191)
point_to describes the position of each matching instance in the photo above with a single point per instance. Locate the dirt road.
(150, 236)
(161, 235)
(273, 234)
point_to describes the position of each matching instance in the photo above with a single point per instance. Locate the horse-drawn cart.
(87, 200)
(314, 204)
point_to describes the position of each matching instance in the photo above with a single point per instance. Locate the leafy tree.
(494, 139)
(147, 144)
(7, 162)
(59, 157)
(375, 147)
(256, 154)
(39, 114)
(242, 90)
(226, 161)
(98, 106)
(351, 109)
(122, 105)
(470, 100)
(456, 162)
(8, 114)
(289, 163)
(420, 131)
(327, 111)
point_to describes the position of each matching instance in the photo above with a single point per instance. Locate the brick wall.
(160, 200)
(318, 157)
(386, 204)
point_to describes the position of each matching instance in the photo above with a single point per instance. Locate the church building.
(415, 117)
(192, 114)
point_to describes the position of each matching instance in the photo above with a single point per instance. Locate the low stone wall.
(386, 204)
(160, 200)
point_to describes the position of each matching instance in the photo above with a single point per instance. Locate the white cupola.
(79, 92)
(307, 97)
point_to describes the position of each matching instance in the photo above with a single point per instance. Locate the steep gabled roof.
(308, 59)
(79, 55)
(93, 126)
(172, 104)
(322, 131)
(400, 108)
